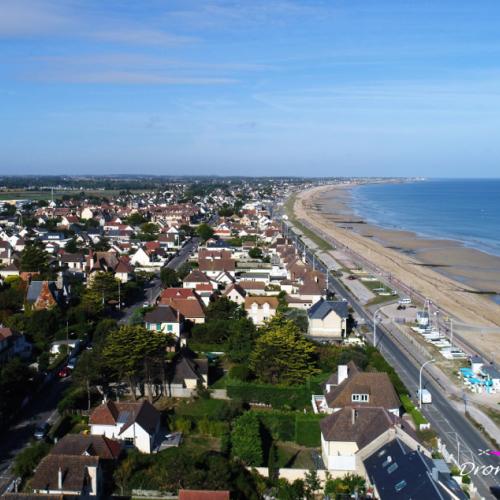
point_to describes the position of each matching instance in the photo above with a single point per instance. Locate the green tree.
(241, 340)
(150, 228)
(34, 259)
(224, 309)
(312, 483)
(72, 246)
(255, 253)
(246, 441)
(272, 463)
(204, 231)
(169, 277)
(103, 287)
(87, 373)
(282, 355)
(135, 219)
(135, 354)
(27, 459)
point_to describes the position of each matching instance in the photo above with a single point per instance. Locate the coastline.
(474, 268)
(447, 272)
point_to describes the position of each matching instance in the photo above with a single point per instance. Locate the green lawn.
(295, 457)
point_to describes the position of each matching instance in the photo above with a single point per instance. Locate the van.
(404, 301)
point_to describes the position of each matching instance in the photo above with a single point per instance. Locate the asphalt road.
(42, 408)
(460, 436)
(153, 288)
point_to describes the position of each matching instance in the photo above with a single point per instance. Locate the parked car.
(64, 372)
(71, 363)
(41, 431)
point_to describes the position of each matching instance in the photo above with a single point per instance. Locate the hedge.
(289, 426)
(410, 408)
(297, 397)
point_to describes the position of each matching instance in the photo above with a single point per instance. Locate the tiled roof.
(203, 495)
(196, 276)
(161, 314)
(79, 444)
(324, 307)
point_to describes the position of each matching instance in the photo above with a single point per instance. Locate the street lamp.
(375, 326)
(420, 382)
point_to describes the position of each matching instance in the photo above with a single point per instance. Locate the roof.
(161, 314)
(79, 444)
(74, 472)
(236, 287)
(260, 301)
(189, 308)
(356, 425)
(377, 385)
(203, 495)
(216, 264)
(323, 308)
(179, 293)
(399, 472)
(110, 413)
(183, 367)
(196, 276)
(252, 285)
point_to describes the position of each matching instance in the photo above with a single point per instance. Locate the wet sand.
(453, 276)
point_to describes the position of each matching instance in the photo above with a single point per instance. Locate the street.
(43, 407)
(460, 436)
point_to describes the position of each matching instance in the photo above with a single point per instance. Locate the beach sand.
(444, 271)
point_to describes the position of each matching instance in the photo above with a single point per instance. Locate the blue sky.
(257, 87)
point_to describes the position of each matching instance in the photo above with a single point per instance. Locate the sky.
(257, 87)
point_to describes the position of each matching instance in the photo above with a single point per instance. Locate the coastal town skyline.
(288, 87)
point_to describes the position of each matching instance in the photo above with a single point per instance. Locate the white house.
(328, 319)
(136, 424)
(164, 319)
(260, 309)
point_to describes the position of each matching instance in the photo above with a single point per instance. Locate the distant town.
(197, 338)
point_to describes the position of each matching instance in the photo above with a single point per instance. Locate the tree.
(241, 340)
(272, 463)
(184, 270)
(169, 277)
(71, 246)
(255, 253)
(224, 308)
(282, 355)
(204, 231)
(87, 372)
(312, 483)
(135, 219)
(103, 287)
(27, 459)
(246, 441)
(34, 259)
(150, 228)
(132, 353)
(345, 486)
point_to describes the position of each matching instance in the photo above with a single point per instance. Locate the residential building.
(164, 319)
(261, 309)
(328, 319)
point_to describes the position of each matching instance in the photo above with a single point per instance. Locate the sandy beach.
(444, 271)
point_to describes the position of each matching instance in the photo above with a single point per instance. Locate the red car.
(64, 372)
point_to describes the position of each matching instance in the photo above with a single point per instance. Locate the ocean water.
(467, 211)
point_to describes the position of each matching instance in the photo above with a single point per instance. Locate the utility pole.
(420, 382)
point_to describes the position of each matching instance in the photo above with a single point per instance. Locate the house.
(73, 261)
(9, 270)
(261, 309)
(214, 267)
(252, 287)
(310, 290)
(351, 434)
(68, 475)
(235, 293)
(81, 444)
(196, 277)
(46, 294)
(165, 319)
(135, 424)
(328, 319)
(186, 302)
(396, 470)
(12, 344)
(205, 292)
(351, 387)
(186, 374)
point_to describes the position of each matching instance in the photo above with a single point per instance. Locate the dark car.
(41, 431)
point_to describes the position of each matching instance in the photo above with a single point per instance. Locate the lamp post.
(375, 326)
(420, 382)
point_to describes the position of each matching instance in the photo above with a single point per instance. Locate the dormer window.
(360, 398)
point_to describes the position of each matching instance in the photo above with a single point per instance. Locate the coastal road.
(154, 287)
(42, 408)
(456, 432)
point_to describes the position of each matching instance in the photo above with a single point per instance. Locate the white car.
(404, 302)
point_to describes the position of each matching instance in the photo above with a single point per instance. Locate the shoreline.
(454, 276)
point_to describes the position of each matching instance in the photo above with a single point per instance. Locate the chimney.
(342, 373)
(59, 479)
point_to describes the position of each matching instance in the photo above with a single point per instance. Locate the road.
(459, 435)
(42, 408)
(153, 288)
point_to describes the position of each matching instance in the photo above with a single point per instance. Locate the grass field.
(58, 194)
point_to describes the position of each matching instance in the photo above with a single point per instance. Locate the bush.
(297, 397)
(246, 440)
(410, 408)
(27, 460)
(75, 399)
(240, 372)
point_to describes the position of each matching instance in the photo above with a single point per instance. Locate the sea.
(464, 210)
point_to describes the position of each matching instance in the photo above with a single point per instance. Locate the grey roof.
(36, 286)
(161, 314)
(407, 474)
(323, 307)
(491, 371)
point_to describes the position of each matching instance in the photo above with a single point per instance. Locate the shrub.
(75, 399)
(26, 460)
(246, 440)
(240, 372)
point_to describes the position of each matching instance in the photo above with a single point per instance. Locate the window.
(129, 441)
(170, 328)
(158, 327)
(360, 398)
(399, 486)
(392, 468)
